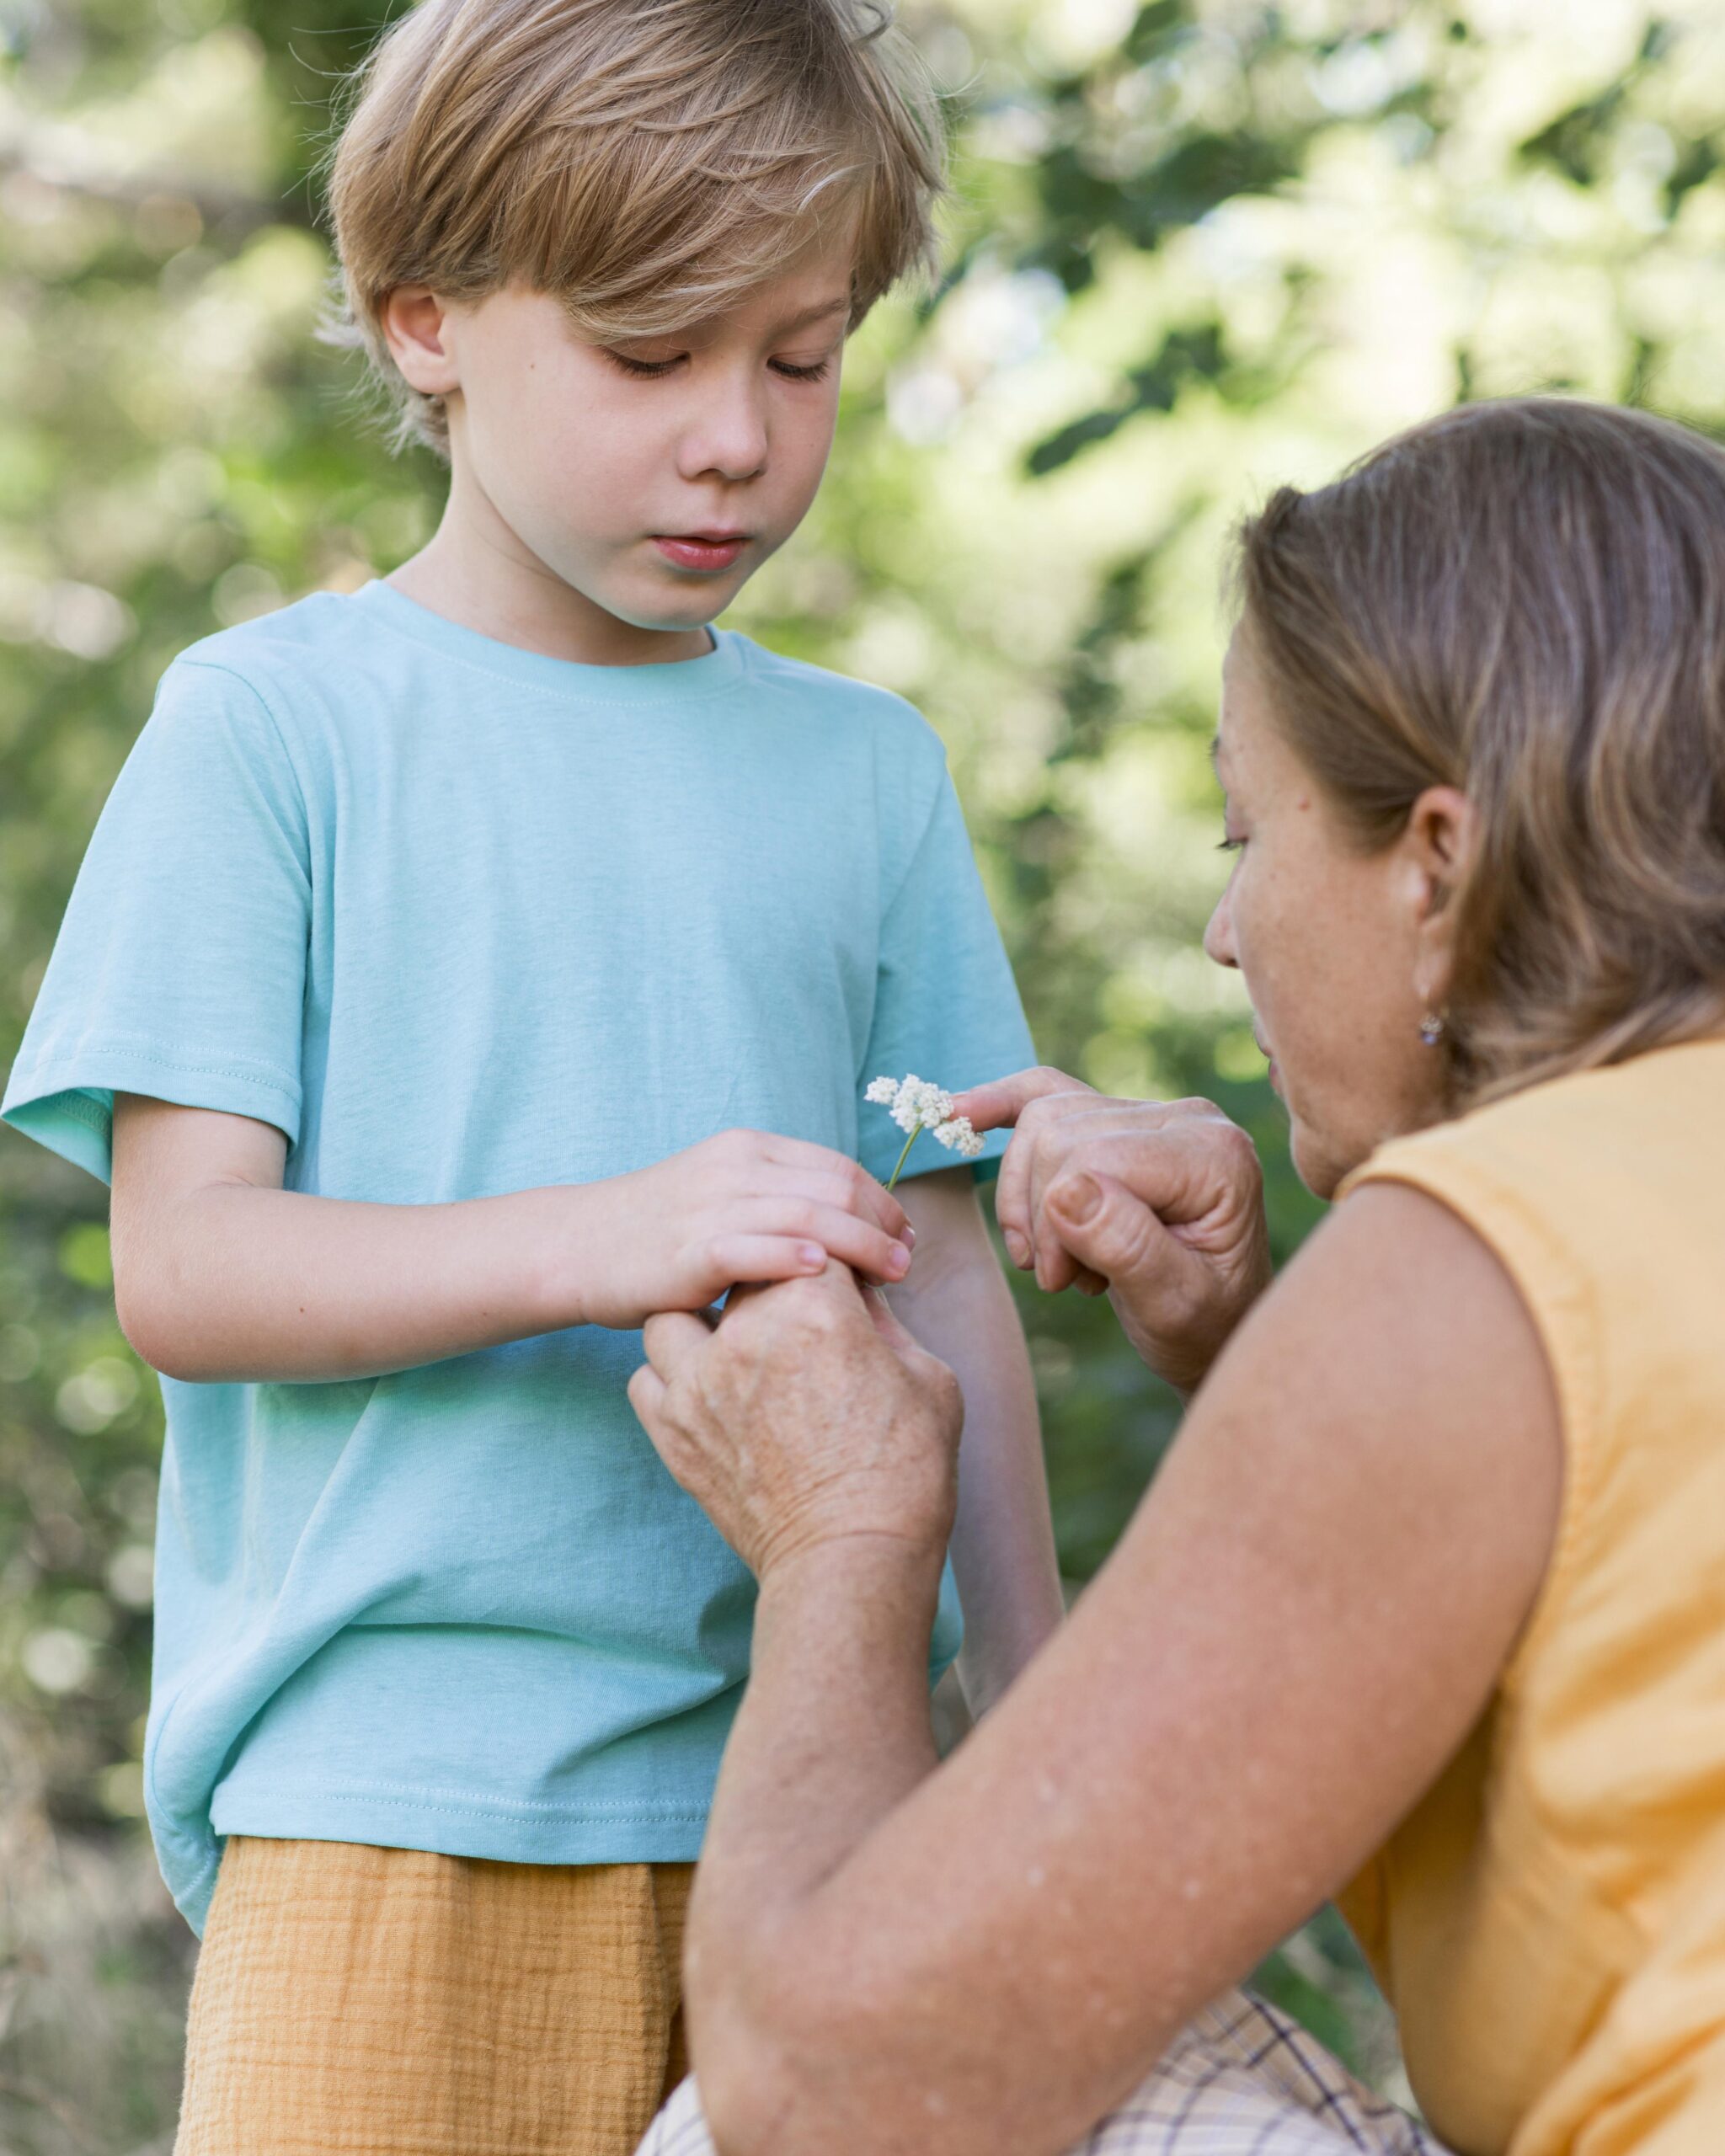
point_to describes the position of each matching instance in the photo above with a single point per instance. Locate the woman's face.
(1340, 948)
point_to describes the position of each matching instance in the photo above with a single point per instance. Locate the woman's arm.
(1303, 1621)
(956, 1302)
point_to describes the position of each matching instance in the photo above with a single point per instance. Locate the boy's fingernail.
(1080, 1196)
(899, 1258)
(814, 1257)
(907, 1236)
(1017, 1249)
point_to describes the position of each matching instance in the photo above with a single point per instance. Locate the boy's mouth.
(701, 550)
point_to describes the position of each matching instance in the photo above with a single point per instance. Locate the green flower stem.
(904, 1156)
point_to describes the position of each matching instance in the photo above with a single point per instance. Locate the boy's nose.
(728, 438)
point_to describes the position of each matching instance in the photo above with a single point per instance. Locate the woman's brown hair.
(646, 161)
(1524, 601)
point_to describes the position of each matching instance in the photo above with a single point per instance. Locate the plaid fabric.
(1242, 2080)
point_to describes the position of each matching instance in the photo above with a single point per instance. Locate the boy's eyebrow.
(839, 303)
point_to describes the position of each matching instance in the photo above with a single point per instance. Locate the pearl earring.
(1431, 1028)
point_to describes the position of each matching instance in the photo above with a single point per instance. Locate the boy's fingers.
(817, 1171)
(841, 1235)
(855, 1192)
(730, 1259)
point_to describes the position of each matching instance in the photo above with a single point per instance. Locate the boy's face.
(654, 476)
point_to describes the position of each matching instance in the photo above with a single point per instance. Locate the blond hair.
(645, 162)
(1525, 600)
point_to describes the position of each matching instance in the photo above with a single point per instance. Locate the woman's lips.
(701, 550)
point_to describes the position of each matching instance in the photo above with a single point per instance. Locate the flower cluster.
(915, 1105)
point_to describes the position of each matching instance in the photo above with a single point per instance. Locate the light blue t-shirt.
(460, 919)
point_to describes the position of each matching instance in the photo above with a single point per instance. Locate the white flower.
(957, 1135)
(915, 1105)
(920, 1106)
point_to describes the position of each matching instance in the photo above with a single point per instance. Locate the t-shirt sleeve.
(180, 969)
(947, 1007)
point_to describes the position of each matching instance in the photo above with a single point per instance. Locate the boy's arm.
(221, 1275)
(958, 1305)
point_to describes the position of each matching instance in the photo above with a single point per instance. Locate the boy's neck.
(476, 572)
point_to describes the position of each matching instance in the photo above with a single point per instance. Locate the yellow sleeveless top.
(1549, 1921)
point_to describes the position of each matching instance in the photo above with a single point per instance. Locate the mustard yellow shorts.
(370, 2002)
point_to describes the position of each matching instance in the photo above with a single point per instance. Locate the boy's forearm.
(1003, 1547)
(958, 1304)
(246, 1284)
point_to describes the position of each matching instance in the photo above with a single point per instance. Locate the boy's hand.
(744, 1206)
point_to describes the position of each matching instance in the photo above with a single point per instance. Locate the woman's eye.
(1231, 845)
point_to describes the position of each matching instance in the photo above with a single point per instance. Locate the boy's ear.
(415, 324)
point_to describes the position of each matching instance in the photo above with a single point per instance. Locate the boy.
(463, 969)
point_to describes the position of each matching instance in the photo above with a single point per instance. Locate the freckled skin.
(1334, 944)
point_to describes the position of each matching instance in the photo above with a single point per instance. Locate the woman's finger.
(1113, 1233)
(1016, 1185)
(1167, 1157)
(885, 1321)
(1002, 1101)
(646, 1390)
(675, 1341)
(1075, 1133)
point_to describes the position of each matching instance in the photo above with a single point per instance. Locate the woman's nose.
(1219, 935)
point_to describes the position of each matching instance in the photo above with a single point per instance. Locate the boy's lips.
(701, 550)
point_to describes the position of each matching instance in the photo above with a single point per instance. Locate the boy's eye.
(646, 369)
(1231, 845)
(642, 367)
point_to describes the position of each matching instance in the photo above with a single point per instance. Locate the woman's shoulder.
(1622, 1127)
(1600, 1193)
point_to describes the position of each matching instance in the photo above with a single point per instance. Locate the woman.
(1429, 1595)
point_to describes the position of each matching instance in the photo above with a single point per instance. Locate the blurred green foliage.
(1197, 246)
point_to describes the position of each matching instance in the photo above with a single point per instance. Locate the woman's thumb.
(1104, 1226)
(886, 1322)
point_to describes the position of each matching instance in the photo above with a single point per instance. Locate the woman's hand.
(1159, 1205)
(807, 1415)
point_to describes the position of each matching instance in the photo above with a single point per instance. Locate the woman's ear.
(1441, 830)
(416, 327)
(1438, 849)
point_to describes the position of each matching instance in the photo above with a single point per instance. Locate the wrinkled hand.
(807, 1415)
(1159, 1205)
(744, 1206)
